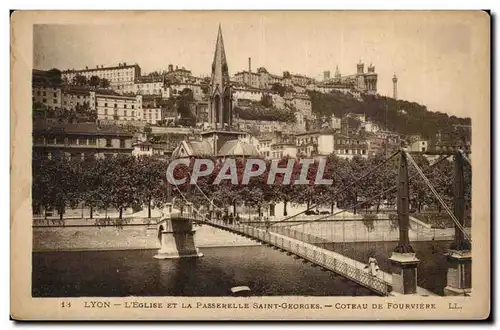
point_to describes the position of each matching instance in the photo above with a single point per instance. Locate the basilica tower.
(395, 87)
(221, 108)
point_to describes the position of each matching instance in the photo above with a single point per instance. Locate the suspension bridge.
(292, 234)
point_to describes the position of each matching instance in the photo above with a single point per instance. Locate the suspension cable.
(431, 187)
(185, 200)
(465, 157)
(372, 198)
(341, 190)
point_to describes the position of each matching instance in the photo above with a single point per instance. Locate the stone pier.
(458, 278)
(176, 236)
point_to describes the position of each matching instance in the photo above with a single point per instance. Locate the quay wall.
(129, 237)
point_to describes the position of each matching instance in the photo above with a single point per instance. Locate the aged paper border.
(23, 307)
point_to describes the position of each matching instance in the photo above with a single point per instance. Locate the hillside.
(403, 117)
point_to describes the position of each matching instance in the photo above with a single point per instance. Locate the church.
(220, 140)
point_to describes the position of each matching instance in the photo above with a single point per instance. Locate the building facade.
(348, 147)
(149, 85)
(47, 96)
(121, 78)
(120, 109)
(74, 97)
(362, 81)
(79, 141)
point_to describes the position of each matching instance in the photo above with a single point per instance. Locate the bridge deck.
(327, 259)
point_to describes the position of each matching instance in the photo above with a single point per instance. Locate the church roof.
(237, 148)
(192, 149)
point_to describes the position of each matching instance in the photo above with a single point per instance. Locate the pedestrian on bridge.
(372, 266)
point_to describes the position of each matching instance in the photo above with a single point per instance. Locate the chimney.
(124, 64)
(249, 65)
(176, 67)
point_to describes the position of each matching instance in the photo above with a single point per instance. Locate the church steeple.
(221, 104)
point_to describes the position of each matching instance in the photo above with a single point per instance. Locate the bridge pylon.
(403, 259)
(176, 236)
(458, 279)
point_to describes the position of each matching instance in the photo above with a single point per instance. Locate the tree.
(93, 188)
(94, 81)
(183, 104)
(401, 116)
(104, 83)
(279, 88)
(420, 194)
(55, 184)
(266, 100)
(120, 183)
(80, 80)
(54, 76)
(150, 183)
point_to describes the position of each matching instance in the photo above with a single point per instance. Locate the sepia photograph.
(293, 156)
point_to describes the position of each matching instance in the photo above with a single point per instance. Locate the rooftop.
(119, 66)
(80, 128)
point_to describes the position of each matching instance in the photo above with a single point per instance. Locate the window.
(55, 101)
(132, 106)
(124, 106)
(38, 93)
(44, 100)
(122, 143)
(105, 111)
(105, 104)
(347, 151)
(44, 94)
(116, 112)
(133, 113)
(55, 94)
(108, 143)
(125, 113)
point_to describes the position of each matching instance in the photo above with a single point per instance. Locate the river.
(266, 271)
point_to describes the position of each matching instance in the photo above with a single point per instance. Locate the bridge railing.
(299, 244)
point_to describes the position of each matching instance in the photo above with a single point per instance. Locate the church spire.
(220, 74)
(221, 107)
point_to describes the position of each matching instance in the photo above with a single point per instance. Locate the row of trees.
(256, 111)
(122, 182)
(94, 81)
(81, 113)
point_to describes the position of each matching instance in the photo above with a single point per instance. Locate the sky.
(434, 55)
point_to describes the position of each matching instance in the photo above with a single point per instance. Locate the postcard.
(250, 165)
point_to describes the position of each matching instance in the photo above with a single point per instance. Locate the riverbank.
(84, 235)
(132, 237)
